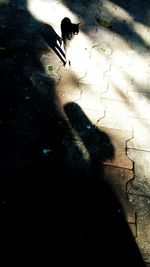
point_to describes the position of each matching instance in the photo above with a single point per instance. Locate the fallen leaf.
(50, 68)
(103, 23)
(98, 47)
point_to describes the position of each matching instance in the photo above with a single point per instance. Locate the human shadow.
(75, 210)
(96, 141)
(53, 40)
(98, 231)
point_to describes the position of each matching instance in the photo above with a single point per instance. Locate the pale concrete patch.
(80, 53)
(118, 85)
(90, 97)
(120, 57)
(140, 78)
(102, 38)
(66, 89)
(119, 82)
(97, 65)
(141, 130)
(141, 60)
(93, 88)
(117, 43)
(90, 101)
(117, 115)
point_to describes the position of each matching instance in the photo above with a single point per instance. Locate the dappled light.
(143, 32)
(45, 11)
(108, 64)
(110, 67)
(75, 138)
(100, 61)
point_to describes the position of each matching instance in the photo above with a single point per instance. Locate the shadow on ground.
(55, 207)
(53, 40)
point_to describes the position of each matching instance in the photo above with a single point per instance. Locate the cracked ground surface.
(74, 157)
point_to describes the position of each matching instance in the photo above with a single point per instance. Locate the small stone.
(46, 151)
(88, 126)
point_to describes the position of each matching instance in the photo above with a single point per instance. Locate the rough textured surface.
(142, 208)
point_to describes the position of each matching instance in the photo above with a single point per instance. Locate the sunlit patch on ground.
(50, 12)
(99, 54)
